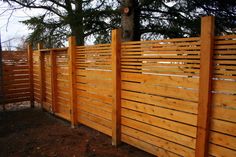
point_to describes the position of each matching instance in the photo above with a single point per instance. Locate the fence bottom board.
(216, 150)
(64, 116)
(7, 101)
(47, 106)
(95, 126)
(146, 147)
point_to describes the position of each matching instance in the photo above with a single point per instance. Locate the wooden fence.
(51, 80)
(15, 82)
(172, 97)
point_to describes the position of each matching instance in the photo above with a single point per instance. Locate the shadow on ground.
(33, 133)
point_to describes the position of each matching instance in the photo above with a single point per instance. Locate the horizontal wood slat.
(222, 134)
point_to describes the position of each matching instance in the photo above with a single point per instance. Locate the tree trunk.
(77, 31)
(76, 23)
(130, 20)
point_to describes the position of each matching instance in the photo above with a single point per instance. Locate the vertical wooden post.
(41, 71)
(53, 80)
(116, 85)
(31, 76)
(205, 98)
(72, 80)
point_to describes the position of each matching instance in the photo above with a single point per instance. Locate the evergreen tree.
(150, 19)
(80, 18)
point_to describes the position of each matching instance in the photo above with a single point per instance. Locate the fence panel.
(46, 81)
(94, 86)
(160, 95)
(16, 80)
(36, 77)
(223, 129)
(62, 94)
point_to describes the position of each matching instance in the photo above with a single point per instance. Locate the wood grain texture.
(72, 80)
(41, 73)
(205, 86)
(53, 80)
(116, 86)
(17, 76)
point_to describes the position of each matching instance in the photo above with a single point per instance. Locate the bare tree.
(8, 45)
(22, 44)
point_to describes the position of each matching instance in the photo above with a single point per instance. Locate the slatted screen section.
(36, 76)
(160, 95)
(62, 96)
(46, 81)
(57, 67)
(223, 130)
(94, 88)
(16, 83)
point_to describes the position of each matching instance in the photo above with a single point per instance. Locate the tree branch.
(33, 6)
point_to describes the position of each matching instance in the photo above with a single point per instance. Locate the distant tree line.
(139, 19)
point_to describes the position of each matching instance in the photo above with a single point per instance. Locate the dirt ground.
(34, 133)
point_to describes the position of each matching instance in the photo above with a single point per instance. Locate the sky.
(10, 25)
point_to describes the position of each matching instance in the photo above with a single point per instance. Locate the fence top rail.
(96, 45)
(52, 49)
(225, 36)
(12, 51)
(163, 40)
